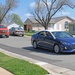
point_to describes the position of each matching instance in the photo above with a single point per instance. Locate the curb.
(52, 69)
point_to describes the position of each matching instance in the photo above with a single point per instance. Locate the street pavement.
(20, 47)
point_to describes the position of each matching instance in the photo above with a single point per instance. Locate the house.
(72, 27)
(58, 23)
(13, 25)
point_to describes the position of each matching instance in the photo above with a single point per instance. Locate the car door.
(49, 40)
(40, 39)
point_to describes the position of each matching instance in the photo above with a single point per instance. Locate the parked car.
(17, 31)
(59, 41)
(4, 31)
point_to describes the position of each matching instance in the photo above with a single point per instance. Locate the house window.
(66, 25)
(73, 27)
(52, 26)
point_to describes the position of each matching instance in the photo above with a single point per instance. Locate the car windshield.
(2, 26)
(19, 28)
(61, 34)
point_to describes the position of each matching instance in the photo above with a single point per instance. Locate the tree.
(16, 19)
(4, 9)
(7, 19)
(44, 10)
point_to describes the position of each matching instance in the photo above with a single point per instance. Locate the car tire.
(22, 35)
(7, 36)
(56, 49)
(13, 34)
(35, 45)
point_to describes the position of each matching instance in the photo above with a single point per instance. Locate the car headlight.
(65, 43)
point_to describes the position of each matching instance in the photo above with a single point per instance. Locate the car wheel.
(7, 36)
(57, 49)
(35, 44)
(22, 35)
(13, 33)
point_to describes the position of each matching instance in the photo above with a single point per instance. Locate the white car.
(16, 31)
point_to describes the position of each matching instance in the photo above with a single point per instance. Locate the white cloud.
(65, 13)
(32, 4)
(28, 15)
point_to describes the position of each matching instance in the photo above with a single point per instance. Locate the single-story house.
(58, 23)
(14, 25)
(72, 27)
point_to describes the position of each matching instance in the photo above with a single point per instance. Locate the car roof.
(53, 30)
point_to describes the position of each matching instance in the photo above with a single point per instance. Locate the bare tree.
(44, 10)
(8, 19)
(4, 9)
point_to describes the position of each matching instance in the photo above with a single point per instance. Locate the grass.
(30, 33)
(20, 67)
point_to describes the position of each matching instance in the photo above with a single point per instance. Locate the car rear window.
(2, 26)
(19, 28)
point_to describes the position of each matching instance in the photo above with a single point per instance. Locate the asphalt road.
(22, 46)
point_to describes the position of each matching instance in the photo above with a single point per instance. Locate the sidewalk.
(52, 69)
(4, 72)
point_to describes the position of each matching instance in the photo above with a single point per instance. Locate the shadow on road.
(45, 51)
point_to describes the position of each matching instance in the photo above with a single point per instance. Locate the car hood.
(69, 40)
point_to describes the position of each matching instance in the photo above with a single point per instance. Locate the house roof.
(13, 25)
(53, 20)
(72, 22)
(57, 19)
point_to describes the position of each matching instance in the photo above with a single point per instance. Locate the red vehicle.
(4, 31)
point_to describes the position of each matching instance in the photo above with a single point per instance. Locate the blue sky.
(24, 5)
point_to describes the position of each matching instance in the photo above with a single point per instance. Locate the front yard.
(20, 67)
(30, 33)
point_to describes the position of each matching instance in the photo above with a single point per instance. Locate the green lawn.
(29, 33)
(20, 67)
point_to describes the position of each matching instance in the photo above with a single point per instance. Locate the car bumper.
(3, 34)
(19, 33)
(67, 49)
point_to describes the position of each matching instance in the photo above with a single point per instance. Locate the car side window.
(12, 28)
(41, 34)
(48, 34)
(45, 34)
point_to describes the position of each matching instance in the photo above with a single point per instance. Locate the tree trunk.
(46, 27)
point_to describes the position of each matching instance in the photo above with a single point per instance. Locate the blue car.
(59, 41)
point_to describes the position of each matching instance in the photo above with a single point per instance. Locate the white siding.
(60, 27)
(13, 25)
(55, 27)
(52, 26)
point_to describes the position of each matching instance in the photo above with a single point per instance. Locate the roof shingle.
(54, 20)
